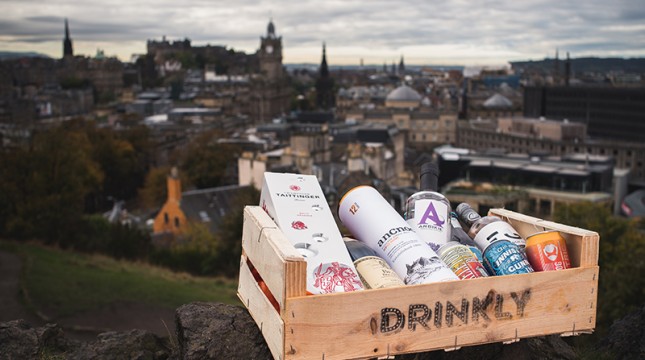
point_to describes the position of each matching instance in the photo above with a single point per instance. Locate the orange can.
(547, 251)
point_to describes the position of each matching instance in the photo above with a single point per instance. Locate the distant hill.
(314, 67)
(586, 64)
(7, 55)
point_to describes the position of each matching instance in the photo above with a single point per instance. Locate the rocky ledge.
(218, 331)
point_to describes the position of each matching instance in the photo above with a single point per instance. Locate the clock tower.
(270, 54)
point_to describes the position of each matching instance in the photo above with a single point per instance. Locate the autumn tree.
(45, 185)
(123, 157)
(209, 163)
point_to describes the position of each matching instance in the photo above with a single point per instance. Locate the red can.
(547, 251)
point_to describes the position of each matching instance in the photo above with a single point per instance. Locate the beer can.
(547, 251)
(502, 257)
(461, 260)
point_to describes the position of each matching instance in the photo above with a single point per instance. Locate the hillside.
(82, 291)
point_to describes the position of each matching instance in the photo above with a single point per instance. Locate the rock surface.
(217, 331)
(626, 339)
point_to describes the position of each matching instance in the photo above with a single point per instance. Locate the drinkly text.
(425, 316)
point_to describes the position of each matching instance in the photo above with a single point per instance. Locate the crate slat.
(348, 325)
(282, 268)
(265, 316)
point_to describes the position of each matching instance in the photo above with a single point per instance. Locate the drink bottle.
(428, 211)
(497, 240)
(459, 235)
(475, 224)
(372, 220)
(373, 271)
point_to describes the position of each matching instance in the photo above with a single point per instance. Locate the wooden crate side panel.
(582, 244)
(265, 316)
(276, 260)
(496, 309)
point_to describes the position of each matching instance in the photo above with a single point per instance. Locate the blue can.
(502, 257)
(477, 252)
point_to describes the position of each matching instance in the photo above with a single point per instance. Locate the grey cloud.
(529, 26)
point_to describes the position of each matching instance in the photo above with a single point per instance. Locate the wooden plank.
(583, 245)
(485, 310)
(264, 314)
(279, 264)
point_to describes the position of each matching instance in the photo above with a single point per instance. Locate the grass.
(61, 283)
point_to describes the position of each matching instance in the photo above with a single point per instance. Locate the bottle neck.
(429, 182)
(468, 215)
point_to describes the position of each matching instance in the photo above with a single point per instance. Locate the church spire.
(324, 84)
(67, 42)
(324, 70)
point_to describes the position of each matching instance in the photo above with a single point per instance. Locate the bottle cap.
(429, 176)
(467, 214)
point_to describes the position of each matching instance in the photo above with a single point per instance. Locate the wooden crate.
(386, 322)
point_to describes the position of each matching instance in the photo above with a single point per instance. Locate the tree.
(48, 183)
(230, 231)
(621, 285)
(207, 162)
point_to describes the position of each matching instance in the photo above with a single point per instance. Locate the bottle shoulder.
(426, 194)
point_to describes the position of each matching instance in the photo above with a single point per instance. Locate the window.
(165, 218)
(176, 222)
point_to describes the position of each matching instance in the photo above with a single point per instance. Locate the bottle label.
(495, 231)
(505, 258)
(463, 262)
(380, 226)
(431, 222)
(375, 273)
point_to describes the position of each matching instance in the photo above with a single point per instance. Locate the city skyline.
(456, 32)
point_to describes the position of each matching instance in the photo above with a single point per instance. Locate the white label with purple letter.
(431, 222)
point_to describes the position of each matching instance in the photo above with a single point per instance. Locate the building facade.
(543, 137)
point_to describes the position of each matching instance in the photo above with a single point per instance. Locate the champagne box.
(379, 323)
(298, 207)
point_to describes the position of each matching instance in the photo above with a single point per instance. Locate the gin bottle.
(428, 211)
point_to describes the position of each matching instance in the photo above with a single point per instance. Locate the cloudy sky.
(484, 32)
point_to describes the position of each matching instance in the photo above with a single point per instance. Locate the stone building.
(526, 135)
(270, 95)
(423, 128)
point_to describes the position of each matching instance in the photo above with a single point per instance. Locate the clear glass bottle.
(459, 235)
(501, 230)
(428, 211)
(373, 270)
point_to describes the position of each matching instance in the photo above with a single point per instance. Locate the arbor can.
(547, 251)
(461, 260)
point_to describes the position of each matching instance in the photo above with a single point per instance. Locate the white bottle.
(372, 220)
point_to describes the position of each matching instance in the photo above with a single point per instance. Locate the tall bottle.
(494, 237)
(459, 235)
(428, 211)
(372, 220)
(374, 272)
(476, 223)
